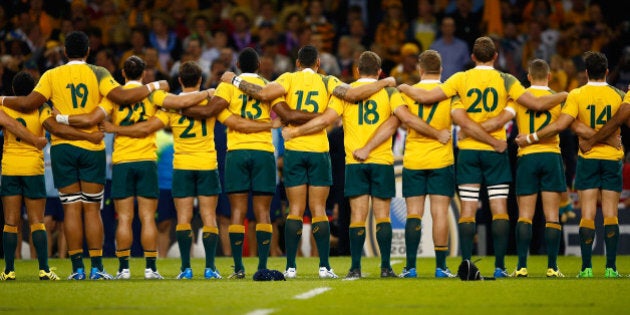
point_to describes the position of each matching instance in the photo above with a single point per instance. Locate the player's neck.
(431, 76)
(371, 77)
(485, 64)
(75, 60)
(540, 83)
(597, 80)
(190, 89)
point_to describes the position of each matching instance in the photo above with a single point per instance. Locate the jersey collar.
(484, 67)
(247, 74)
(308, 70)
(133, 82)
(540, 87)
(593, 83)
(366, 80)
(430, 81)
(76, 62)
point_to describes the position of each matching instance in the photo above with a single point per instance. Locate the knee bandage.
(467, 193)
(92, 198)
(498, 191)
(70, 198)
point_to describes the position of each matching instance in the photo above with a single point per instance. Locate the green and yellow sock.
(210, 241)
(523, 239)
(440, 256)
(357, 239)
(553, 233)
(263, 237)
(9, 243)
(96, 257)
(76, 257)
(587, 235)
(500, 236)
(467, 230)
(150, 259)
(611, 230)
(321, 233)
(384, 240)
(413, 232)
(184, 235)
(40, 242)
(292, 236)
(237, 235)
(123, 258)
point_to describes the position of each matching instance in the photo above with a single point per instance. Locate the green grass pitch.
(369, 295)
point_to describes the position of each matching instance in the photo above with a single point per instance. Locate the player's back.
(530, 121)
(594, 104)
(422, 152)
(19, 157)
(310, 92)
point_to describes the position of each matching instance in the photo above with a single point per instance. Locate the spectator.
(164, 40)
(281, 63)
(328, 62)
(38, 16)
(559, 78)
(346, 57)
(390, 33)
(424, 28)
(108, 21)
(454, 51)
(153, 71)
(140, 14)
(220, 41)
(467, 21)
(266, 14)
(241, 36)
(319, 25)
(293, 21)
(406, 72)
(534, 47)
(201, 29)
(193, 49)
(264, 33)
(216, 71)
(138, 44)
(180, 17)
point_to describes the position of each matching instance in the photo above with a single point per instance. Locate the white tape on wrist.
(528, 139)
(63, 119)
(236, 81)
(156, 85)
(535, 135)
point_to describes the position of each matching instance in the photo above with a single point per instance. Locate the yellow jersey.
(193, 140)
(530, 121)
(310, 92)
(484, 93)
(249, 108)
(421, 152)
(593, 104)
(362, 119)
(76, 88)
(19, 158)
(127, 149)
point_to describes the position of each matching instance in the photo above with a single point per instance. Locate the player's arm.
(71, 133)
(423, 96)
(265, 93)
(498, 121)
(357, 93)
(243, 125)
(172, 101)
(540, 103)
(585, 132)
(217, 104)
(137, 130)
(475, 130)
(314, 125)
(291, 116)
(120, 95)
(13, 126)
(621, 116)
(82, 120)
(414, 122)
(563, 122)
(383, 133)
(24, 104)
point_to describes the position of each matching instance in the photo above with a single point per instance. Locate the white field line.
(261, 312)
(395, 262)
(312, 293)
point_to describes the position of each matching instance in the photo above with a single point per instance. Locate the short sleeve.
(626, 98)
(106, 105)
(333, 82)
(456, 103)
(571, 105)
(396, 100)
(44, 113)
(44, 87)
(162, 116)
(224, 115)
(451, 86)
(106, 82)
(513, 87)
(285, 81)
(157, 97)
(336, 104)
(224, 91)
(277, 100)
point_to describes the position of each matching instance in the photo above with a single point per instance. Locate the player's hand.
(55, 112)
(444, 136)
(40, 142)
(227, 77)
(276, 123)
(391, 81)
(164, 86)
(585, 145)
(403, 87)
(500, 146)
(521, 140)
(106, 126)
(96, 137)
(461, 134)
(210, 92)
(288, 133)
(361, 154)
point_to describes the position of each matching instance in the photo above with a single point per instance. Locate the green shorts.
(487, 167)
(250, 170)
(135, 179)
(71, 164)
(370, 179)
(539, 172)
(32, 187)
(601, 174)
(191, 183)
(440, 181)
(312, 168)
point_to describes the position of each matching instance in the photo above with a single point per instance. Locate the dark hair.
(134, 66)
(77, 45)
(596, 64)
(369, 63)
(430, 61)
(307, 56)
(538, 69)
(23, 83)
(189, 73)
(248, 60)
(484, 49)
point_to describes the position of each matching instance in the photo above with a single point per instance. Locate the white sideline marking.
(312, 293)
(261, 312)
(395, 262)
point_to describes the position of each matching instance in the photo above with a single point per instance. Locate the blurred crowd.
(167, 33)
